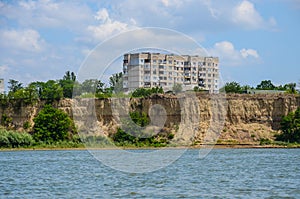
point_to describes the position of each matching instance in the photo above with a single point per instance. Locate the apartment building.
(147, 70)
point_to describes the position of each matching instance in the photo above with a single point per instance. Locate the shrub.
(290, 127)
(26, 125)
(6, 120)
(52, 125)
(15, 139)
(146, 92)
(265, 141)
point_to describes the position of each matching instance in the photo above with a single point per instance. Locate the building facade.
(147, 70)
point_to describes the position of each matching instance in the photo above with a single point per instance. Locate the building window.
(170, 61)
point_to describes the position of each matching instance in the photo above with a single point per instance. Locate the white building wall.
(154, 69)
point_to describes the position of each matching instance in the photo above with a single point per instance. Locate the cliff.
(243, 119)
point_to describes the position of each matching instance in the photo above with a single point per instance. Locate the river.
(223, 173)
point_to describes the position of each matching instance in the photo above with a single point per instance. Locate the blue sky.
(255, 40)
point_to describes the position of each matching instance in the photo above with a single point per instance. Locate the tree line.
(235, 87)
(67, 87)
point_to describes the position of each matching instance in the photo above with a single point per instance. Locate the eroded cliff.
(240, 119)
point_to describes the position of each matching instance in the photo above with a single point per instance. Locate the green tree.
(52, 125)
(116, 82)
(290, 88)
(14, 85)
(246, 88)
(92, 86)
(177, 88)
(266, 85)
(232, 87)
(290, 127)
(51, 91)
(67, 84)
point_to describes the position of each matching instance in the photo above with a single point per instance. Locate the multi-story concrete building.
(146, 70)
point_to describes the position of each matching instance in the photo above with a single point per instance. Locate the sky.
(255, 40)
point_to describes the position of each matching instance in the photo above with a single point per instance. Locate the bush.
(265, 141)
(146, 92)
(52, 125)
(6, 120)
(290, 127)
(26, 125)
(133, 135)
(11, 139)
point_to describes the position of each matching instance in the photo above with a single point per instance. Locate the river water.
(223, 173)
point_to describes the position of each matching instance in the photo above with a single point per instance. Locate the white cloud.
(231, 56)
(48, 14)
(246, 15)
(165, 2)
(108, 27)
(21, 40)
(102, 15)
(248, 53)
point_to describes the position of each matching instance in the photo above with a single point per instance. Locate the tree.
(266, 85)
(67, 84)
(51, 91)
(232, 87)
(52, 125)
(290, 88)
(177, 88)
(290, 127)
(70, 76)
(246, 88)
(116, 82)
(14, 85)
(92, 86)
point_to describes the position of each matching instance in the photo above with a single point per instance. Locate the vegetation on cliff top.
(235, 87)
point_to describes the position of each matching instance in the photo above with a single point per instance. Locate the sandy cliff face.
(201, 118)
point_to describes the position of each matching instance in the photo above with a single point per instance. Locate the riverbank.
(217, 146)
